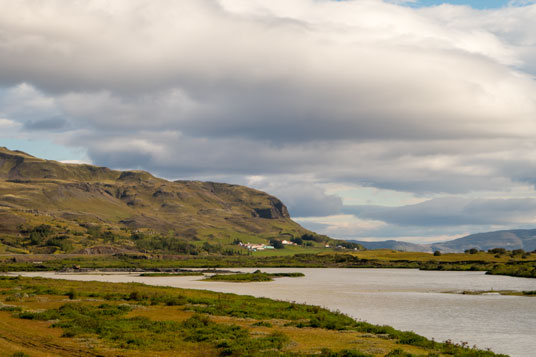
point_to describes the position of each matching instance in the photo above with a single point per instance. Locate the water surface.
(406, 299)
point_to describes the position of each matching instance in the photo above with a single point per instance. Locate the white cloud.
(520, 2)
(75, 162)
(6, 124)
(9, 129)
(343, 226)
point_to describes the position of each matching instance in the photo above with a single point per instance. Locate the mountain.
(44, 203)
(509, 239)
(393, 245)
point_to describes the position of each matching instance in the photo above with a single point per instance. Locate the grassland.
(42, 317)
(521, 265)
(509, 263)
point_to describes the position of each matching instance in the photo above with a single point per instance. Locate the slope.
(84, 205)
(393, 245)
(509, 239)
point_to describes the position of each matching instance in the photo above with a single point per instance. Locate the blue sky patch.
(476, 4)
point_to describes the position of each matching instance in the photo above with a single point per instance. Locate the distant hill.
(509, 239)
(48, 206)
(393, 245)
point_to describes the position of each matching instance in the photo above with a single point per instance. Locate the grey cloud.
(302, 199)
(453, 211)
(317, 227)
(430, 221)
(414, 234)
(285, 82)
(131, 158)
(45, 124)
(429, 101)
(389, 165)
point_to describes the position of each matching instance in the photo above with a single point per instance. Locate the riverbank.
(406, 299)
(42, 316)
(496, 264)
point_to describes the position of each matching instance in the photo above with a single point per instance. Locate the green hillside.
(51, 207)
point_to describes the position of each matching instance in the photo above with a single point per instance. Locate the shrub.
(297, 240)
(72, 294)
(262, 324)
(39, 234)
(311, 237)
(326, 352)
(398, 353)
(276, 243)
(10, 308)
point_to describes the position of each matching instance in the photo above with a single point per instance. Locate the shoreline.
(129, 293)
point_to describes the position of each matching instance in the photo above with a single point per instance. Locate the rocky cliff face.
(276, 210)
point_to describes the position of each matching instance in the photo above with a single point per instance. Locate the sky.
(476, 4)
(370, 119)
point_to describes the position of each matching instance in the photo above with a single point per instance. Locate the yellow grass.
(38, 338)
(392, 255)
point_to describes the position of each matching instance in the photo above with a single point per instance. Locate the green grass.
(186, 273)
(523, 270)
(501, 292)
(140, 318)
(514, 266)
(109, 323)
(251, 277)
(290, 250)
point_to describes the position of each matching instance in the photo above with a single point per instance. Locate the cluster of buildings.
(254, 246)
(286, 242)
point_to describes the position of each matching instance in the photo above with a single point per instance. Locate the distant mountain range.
(509, 239)
(394, 245)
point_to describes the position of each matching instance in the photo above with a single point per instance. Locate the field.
(483, 257)
(507, 263)
(42, 317)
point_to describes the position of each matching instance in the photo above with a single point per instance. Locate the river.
(407, 299)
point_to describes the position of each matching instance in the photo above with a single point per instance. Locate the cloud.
(520, 2)
(45, 124)
(453, 211)
(427, 222)
(302, 197)
(402, 1)
(431, 101)
(6, 124)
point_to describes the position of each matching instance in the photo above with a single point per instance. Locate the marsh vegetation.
(251, 277)
(105, 318)
(520, 265)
